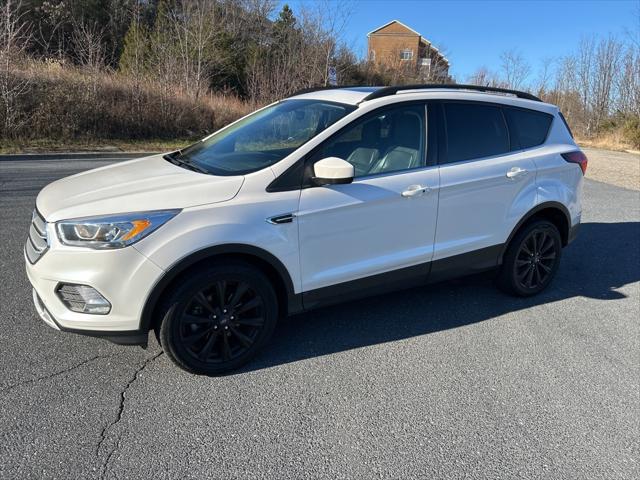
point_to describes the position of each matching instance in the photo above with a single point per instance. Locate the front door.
(383, 222)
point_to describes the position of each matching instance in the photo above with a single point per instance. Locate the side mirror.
(332, 171)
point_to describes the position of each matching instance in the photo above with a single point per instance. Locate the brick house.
(398, 47)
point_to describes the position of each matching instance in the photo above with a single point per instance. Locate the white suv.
(326, 196)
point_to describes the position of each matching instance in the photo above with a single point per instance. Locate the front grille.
(37, 243)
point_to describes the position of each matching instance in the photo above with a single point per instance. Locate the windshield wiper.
(176, 159)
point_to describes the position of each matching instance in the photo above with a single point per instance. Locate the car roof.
(349, 95)
(358, 95)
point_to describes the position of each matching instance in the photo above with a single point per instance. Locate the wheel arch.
(555, 212)
(288, 301)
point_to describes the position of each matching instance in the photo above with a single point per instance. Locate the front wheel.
(531, 260)
(218, 318)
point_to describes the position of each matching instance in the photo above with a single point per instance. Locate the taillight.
(577, 157)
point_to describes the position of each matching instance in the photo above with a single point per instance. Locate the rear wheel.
(218, 318)
(532, 259)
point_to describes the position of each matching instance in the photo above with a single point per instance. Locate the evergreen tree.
(135, 53)
(284, 28)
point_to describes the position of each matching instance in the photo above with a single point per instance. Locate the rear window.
(528, 128)
(564, 120)
(474, 131)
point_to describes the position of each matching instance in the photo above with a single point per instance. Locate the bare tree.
(515, 69)
(484, 77)
(606, 70)
(14, 37)
(323, 27)
(54, 16)
(88, 45)
(583, 77)
(544, 76)
(628, 83)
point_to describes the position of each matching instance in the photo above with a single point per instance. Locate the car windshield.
(261, 139)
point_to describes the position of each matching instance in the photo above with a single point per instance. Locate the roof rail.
(386, 91)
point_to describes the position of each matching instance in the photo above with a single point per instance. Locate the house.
(398, 47)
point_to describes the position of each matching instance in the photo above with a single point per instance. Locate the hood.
(150, 183)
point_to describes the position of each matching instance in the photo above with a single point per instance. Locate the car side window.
(528, 128)
(388, 140)
(474, 130)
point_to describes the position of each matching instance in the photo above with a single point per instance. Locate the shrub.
(66, 102)
(631, 131)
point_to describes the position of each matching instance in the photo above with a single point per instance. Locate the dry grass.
(67, 105)
(91, 145)
(610, 141)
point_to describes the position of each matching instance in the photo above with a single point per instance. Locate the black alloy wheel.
(218, 318)
(531, 260)
(535, 260)
(221, 321)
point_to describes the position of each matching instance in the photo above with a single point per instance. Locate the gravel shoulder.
(616, 168)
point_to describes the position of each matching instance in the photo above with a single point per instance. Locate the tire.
(531, 260)
(218, 318)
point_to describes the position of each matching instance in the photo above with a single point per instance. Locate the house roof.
(389, 23)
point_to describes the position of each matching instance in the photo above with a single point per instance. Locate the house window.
(372, 55)
(406, 54)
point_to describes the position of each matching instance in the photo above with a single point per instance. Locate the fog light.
(83, 299)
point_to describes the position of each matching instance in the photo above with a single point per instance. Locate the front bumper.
(573, 232)
(42, 311)
(124, 277)
(133, 337)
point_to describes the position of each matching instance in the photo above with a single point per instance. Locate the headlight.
(115, 231)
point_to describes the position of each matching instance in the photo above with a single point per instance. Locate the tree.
(14, 39)
(135, 53)
(515, 69)
(606, 70)
(484, 77)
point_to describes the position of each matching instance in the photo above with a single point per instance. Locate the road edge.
(75, 156)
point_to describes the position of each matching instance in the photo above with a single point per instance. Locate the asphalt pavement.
(456, 380)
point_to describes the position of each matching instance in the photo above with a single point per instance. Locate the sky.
(473, 33)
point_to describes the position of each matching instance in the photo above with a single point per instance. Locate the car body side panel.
(479, 205)
(242, 220)
(560, 181)
(367, 227)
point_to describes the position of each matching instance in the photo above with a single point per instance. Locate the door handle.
(415, 190)
(516, 172)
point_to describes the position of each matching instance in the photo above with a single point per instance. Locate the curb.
(76, 156)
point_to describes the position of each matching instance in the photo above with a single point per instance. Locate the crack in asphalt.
(54, 374)
(121, 406)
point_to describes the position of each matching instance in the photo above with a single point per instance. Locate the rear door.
(485, 186)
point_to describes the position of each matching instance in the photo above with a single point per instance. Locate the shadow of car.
(604, 257)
